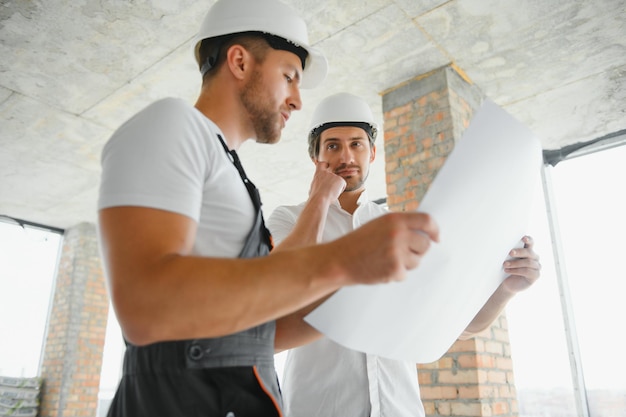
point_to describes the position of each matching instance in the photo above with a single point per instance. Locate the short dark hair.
(212, 51)
(316, 135)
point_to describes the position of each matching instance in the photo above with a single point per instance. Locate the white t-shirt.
(168, 157)
(324, 379)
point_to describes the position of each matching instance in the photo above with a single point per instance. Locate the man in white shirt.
(323, 378)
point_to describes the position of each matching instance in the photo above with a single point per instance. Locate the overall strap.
(259, 241)
(252, 190)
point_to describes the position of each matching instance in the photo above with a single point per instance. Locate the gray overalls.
(230, 376)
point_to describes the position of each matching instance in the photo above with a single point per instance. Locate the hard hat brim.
(315, 69)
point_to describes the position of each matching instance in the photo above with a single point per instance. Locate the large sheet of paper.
(481, 199)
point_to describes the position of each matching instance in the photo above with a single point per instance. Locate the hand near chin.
(326, 183)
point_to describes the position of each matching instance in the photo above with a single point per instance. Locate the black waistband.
(248, 348)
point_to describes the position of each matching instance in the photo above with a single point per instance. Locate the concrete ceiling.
(72, 71)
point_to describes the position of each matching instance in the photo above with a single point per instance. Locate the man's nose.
(295, 101)
(347, 154)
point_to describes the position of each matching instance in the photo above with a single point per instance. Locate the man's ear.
(373, 154)
(238, 61)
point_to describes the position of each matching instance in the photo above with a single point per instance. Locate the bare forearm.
(488, 313)
(218, 296)
(309, 227)
(293, 331)
(524, 267)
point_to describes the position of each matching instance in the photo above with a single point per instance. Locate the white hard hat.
(273, 17)
(343, 109)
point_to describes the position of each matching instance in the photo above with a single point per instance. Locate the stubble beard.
(357, 184)
(260, 110)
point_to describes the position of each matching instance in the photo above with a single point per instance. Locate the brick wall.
(423, 120)
(76, 329)
(474, 378)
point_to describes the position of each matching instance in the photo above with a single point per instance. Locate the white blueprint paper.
(481, 200)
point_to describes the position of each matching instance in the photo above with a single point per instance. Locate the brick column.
(423, 120)
(474, 378)
(77, 325)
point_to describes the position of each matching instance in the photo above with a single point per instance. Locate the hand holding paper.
(480, 199)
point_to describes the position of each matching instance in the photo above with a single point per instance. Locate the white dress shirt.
(325, 379)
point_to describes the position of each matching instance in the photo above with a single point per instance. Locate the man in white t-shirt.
(323, 378)
(176, 211)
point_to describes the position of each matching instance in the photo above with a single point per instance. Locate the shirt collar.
(363, 198)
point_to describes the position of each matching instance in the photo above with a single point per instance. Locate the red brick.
(469, 360)
(467, 409)
(469, 391)
(457, 377)
(439, 392)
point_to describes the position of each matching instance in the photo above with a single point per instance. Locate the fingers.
(322, 166)
(529, 242)
(424, 223)
(388, 246)
(422, 231)
(325, 182)
(416, 251)
(418, 230)
(524, 267)
(526, 251)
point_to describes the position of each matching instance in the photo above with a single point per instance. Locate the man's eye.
(288, 78)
